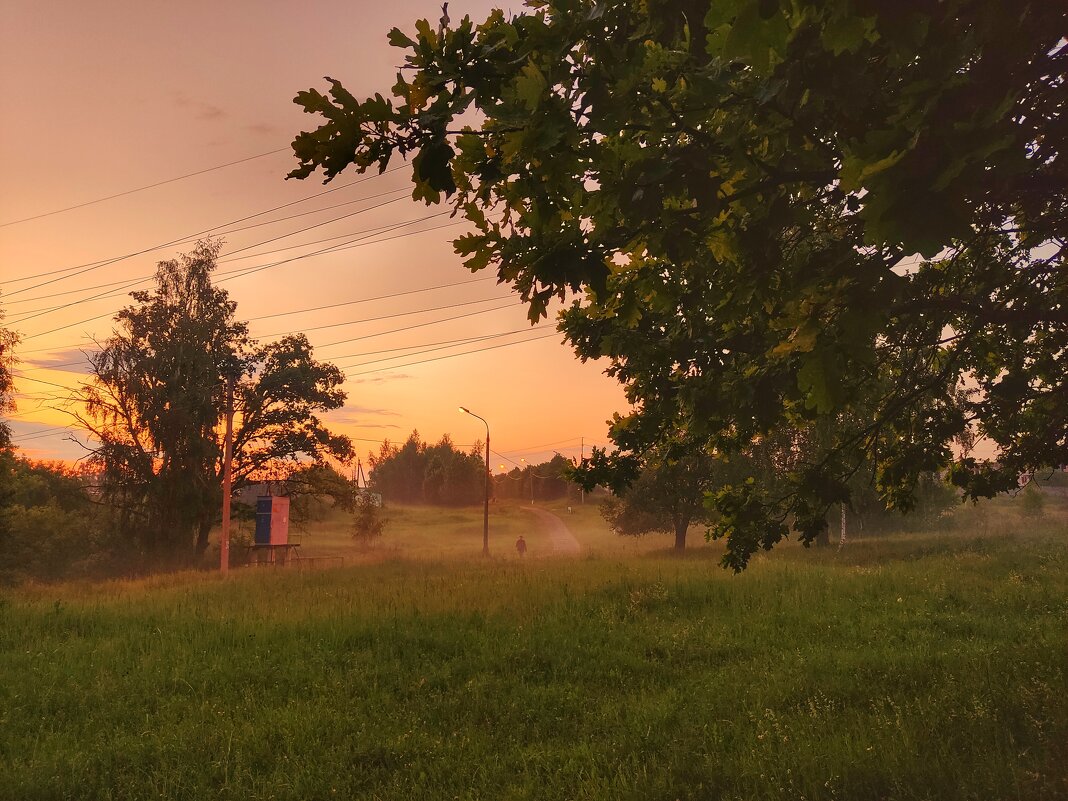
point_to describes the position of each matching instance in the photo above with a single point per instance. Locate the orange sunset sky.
(102, 98)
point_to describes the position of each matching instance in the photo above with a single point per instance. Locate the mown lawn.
(907, 667)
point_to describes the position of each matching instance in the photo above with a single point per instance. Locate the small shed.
(272, 520)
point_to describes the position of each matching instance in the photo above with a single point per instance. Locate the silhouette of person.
(521, 545)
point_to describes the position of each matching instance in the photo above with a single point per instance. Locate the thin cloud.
(378, 379)
(72, 360)
(200, 109)
(349, 413)
(263, 129)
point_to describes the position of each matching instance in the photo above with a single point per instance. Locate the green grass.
(914, 666)
(426, 532)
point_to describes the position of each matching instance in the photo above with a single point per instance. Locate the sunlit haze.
(106, 98)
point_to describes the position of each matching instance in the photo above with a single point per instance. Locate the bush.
(367, 521)
(1032, 502)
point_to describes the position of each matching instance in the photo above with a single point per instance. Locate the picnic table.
(265, 553)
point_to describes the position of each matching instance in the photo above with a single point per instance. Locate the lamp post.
(485, 513)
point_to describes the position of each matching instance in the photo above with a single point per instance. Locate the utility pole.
(228, 447)
(582, 461)
(530, 476)
(485, 515)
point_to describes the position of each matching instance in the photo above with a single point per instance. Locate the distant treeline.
(542, 482)
(417, 472)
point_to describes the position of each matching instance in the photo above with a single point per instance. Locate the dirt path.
(563, 540)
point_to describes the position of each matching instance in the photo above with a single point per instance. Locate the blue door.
(263, 521)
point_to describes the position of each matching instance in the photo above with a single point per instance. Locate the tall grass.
(907, 667)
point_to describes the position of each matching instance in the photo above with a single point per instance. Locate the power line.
(126, 282)
(334, 359)
(343, 341)
(534, 448)
(53, 366)
(343, 246)
(416, 325)
(308, 213)
(295, 311)
(369, 300)
(68, 430)
(142, 188)
(437, 347)
(234, 275)
(377, 319)
(273, 239)
(105, 262)
(41, 381)
(463, 341)
(28, 411)
(451, 356)
(21, 434)
(328, 238)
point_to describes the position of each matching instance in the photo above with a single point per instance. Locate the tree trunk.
(681, 527)
(203, 530)
(842, 538)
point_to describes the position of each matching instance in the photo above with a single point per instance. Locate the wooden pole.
(224, 541)
(485, 514)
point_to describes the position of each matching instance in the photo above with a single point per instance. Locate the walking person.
(521, 546)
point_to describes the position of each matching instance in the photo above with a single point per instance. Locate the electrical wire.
(242, 274)
(41, 381)
(451, 356)
(377, 319)
(273, 239)
(463, 341)
(105, 262)
(416, 325)
(339, 248)
(434, 349)
(143, 188)
(369, 300)
(297, 311)
(126, 283)
(68, 431)
(339, 342)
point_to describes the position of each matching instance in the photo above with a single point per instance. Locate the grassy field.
(432, 533)
(918, 666)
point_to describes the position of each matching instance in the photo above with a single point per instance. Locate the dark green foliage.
(7, 404)
(51, 529)
(158, 400)
(735, 192)
(934, 500)
(1032, 503)
(416, 472)
(668, 495)
(547, 481)
(367, 520)
(8, 340)
(315, 489)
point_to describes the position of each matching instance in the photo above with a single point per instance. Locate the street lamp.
(485, 514)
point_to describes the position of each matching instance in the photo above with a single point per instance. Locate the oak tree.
(765, 214)
(667, 496)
